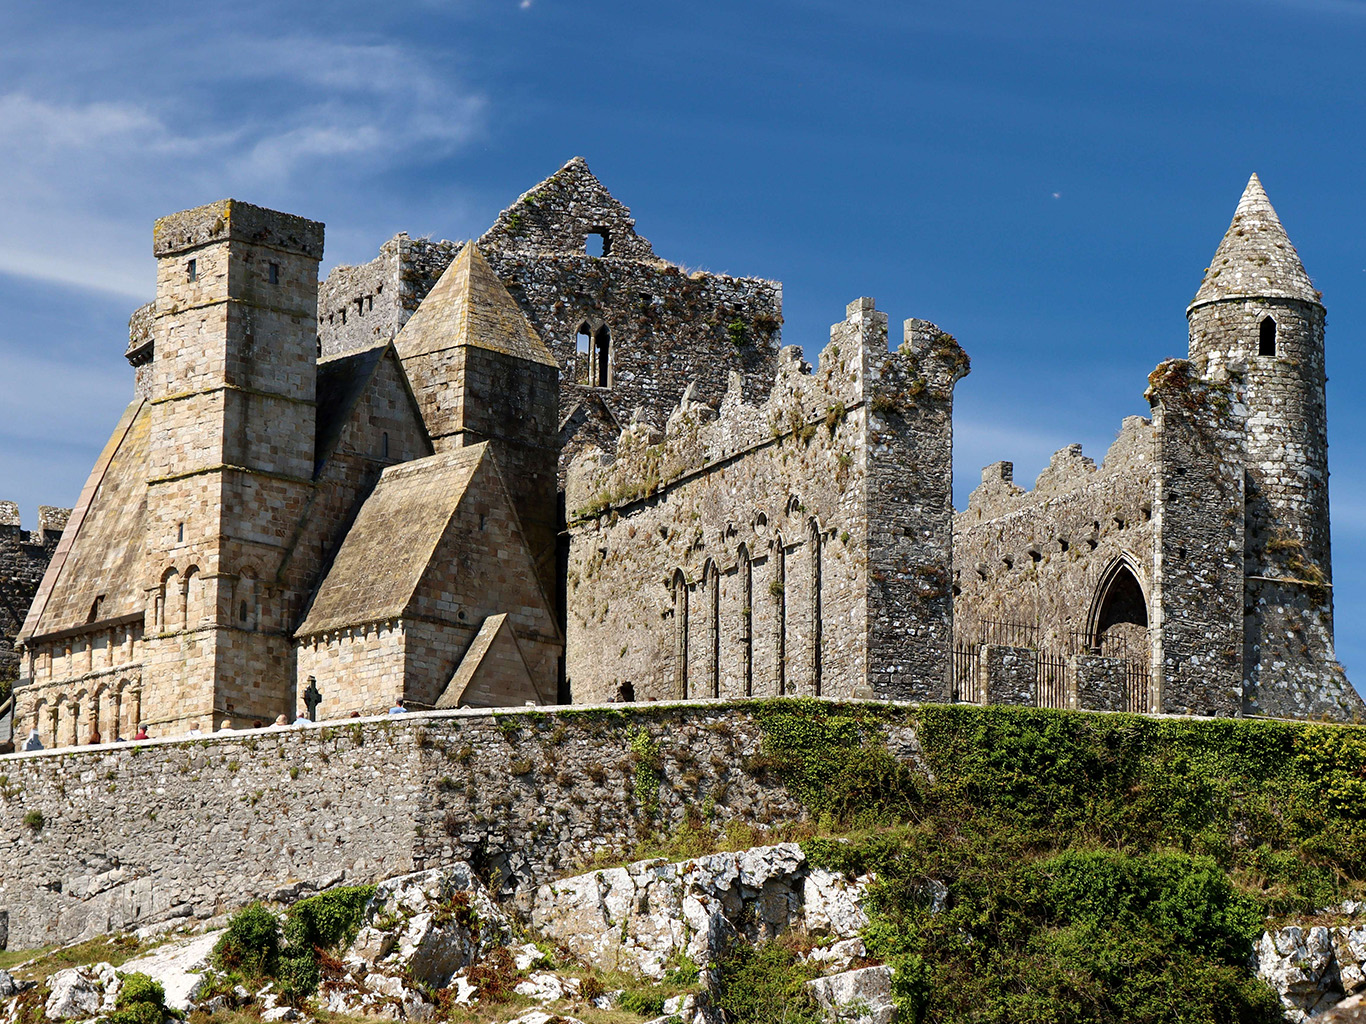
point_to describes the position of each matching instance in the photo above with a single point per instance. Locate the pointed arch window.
(1266, 340)
(1120, 614)
(680, 588)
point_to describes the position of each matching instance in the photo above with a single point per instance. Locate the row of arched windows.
(111, 710)
(754, 628)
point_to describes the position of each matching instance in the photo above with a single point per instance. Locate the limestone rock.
(545, 987)
(1301, 966)
(179, 966)
(637, 917)
(77, 992)
(858, 997)
(429, 924)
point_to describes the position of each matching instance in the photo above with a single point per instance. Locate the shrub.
(251, 943)
(33, 820)
(330, 919)
(763, 983)
(495, 976)
(140, 1001)
(299, 972)
(644, 1001)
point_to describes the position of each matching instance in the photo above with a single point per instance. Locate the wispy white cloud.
(94, 153)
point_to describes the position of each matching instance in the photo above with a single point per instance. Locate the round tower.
(1258, 316)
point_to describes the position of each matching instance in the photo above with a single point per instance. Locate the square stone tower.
(232, 395)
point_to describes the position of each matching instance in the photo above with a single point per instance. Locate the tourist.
(303, 719)
(281, 722)
(141, 734)
(225, 725)
(195, 730)
(400, 707)
(34, 742)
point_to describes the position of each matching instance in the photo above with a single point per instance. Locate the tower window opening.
(1266, 343)
(602, 345)
(598, 242)
(192, 270)
(180, 533)
(384, 445)
(274, 273)
(242, 611)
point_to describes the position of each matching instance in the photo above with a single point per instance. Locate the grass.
(39, 964)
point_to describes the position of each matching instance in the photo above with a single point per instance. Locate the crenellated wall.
(24, 556)
(797, 546)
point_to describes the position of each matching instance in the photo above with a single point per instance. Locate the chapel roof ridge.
(1255, 258)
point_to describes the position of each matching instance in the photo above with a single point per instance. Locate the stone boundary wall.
(96, 839)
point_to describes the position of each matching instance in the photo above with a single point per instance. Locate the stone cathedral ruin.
(550, 466)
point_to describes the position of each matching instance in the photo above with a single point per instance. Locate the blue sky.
(1046, 181)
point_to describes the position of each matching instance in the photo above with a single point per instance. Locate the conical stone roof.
(1255, 260)
(470, 307)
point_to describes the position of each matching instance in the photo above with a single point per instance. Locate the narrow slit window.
(180, 533)
(603, 362)
(384, 445)
(274, 273)
(192, 270)
(1266, 344)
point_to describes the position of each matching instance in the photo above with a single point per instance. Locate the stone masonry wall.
(799, 546)
(1038, 558)
(1198, 597)
(24, 556)
(133, 834)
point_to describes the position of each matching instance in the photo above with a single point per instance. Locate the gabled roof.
(1255, 259)
(388, 548)
(493, 673)
(101, 553)
(470, 307)
(342, 383)
(554, 216)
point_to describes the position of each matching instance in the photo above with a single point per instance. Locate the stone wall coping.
(636, 707)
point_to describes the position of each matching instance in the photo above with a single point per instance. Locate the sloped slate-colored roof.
(1255, 259)
(101, 553)
(470, 307)
(391, 543)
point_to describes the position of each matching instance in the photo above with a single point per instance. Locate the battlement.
(233, 220)
(855, 371)
(51, 523)
(1068, 471)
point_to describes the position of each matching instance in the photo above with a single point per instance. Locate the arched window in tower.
(1120, 620)
(602, 357)
(1266, 343)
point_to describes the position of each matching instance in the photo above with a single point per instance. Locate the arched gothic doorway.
(1119, 616)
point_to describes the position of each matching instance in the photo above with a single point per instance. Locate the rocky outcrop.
(856, 997)
(429, 925)
(640, 917)
(1312, 969)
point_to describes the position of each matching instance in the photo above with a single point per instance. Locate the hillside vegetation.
(1097, 867)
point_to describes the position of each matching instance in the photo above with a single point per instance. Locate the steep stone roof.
(1255, 259)
(387, 550)
(101, 553)
(470, 307)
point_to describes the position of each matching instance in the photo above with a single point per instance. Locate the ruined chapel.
(549, 466)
